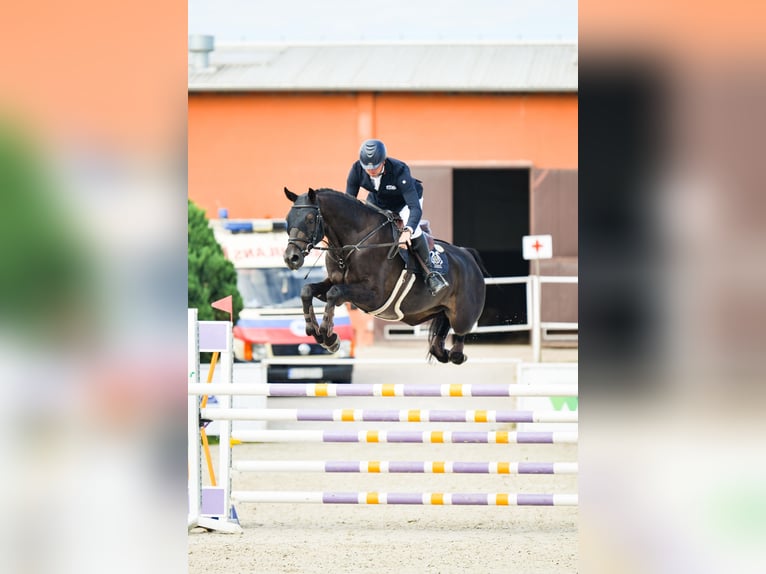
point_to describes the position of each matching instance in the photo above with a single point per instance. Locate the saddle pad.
(437, 255)
(439, 259)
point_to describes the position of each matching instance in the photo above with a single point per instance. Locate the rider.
(392, 187)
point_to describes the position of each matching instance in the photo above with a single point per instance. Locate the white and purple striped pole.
(404, 416)
(406, 466)
(430, 437)
(386, 390)
(410, 498)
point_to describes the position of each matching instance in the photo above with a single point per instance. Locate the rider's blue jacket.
(397, 189)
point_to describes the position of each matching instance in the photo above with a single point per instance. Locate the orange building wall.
(104, 76)
(244, 148)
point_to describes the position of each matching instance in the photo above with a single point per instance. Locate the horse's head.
(304, 227)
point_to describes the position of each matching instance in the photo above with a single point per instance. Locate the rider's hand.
(406, 237)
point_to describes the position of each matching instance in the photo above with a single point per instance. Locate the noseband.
(315, 238)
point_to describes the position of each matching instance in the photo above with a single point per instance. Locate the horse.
(364, 268)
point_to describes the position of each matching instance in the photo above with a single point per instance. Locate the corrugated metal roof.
(390, 67)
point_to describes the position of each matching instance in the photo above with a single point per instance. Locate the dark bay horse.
(363, 268)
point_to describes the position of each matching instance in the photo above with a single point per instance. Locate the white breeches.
(405, 215)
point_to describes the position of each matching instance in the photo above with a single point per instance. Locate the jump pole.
(202, 432)
(423, 437)
(405, 466)
(374, 436)
(408, 498)
(403, 416)
(386, 390)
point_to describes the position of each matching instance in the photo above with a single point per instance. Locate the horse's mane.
(353, 202)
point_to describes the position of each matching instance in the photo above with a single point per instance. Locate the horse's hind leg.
(437, 335)
(462, 319)
(456, 352)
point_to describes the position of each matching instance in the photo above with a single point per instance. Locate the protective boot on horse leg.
(434, 280)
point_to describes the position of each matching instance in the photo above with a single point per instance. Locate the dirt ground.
(312, 538)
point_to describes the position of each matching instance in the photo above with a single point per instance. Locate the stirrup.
(436, 282)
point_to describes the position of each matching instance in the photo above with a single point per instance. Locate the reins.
(333, 250)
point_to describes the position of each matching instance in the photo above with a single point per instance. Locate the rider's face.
(375, 172)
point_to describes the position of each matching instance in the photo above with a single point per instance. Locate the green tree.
(211, 275)
(47, 279)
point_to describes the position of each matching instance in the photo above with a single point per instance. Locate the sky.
(232, 21)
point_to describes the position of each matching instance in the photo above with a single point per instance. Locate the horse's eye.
(310, 218)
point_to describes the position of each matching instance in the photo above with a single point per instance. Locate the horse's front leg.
(308, 293)
(337, 295)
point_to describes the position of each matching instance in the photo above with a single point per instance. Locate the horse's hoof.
(333, 343)
(442, 357)
(326, 335)
(457, 358)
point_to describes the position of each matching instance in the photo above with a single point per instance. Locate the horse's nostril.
(293, 260)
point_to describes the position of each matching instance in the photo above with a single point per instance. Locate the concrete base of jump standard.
(413, 498)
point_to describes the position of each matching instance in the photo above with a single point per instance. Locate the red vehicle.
(271, 325)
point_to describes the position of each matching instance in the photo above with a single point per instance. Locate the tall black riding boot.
(435, 281)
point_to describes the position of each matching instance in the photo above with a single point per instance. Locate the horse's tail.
(479, 262)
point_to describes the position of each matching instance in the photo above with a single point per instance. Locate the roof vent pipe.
(200, 46)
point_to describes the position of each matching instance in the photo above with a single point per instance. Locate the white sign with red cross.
(537, 246)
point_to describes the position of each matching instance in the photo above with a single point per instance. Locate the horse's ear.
(312, 195)
(290, 195)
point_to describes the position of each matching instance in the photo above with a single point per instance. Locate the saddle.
(396, 218)
(433, 248)
(424, 226)
(438, 258)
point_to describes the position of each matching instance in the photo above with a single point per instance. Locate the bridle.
(310, 244)
(337, 252)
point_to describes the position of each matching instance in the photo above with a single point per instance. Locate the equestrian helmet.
(372, 154)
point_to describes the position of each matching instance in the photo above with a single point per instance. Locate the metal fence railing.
(566, 331)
